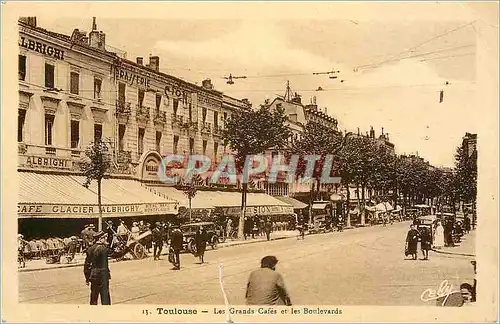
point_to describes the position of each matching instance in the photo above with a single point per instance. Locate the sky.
(400, 95)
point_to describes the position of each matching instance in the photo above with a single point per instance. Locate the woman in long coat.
(412, 242)
(200, 240)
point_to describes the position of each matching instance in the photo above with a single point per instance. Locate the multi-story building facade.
(73, 92)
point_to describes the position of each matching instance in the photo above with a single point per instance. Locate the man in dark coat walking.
(176, 242)
(200, 239)
(96, 270)
(268, 227)
(157, 234)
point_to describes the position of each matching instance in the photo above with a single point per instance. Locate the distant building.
(469, 143)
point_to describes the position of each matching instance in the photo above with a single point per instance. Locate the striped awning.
(44, 195)
(297, 204)
(202, 199)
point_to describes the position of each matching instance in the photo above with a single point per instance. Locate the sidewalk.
(467, 247)
(78, 261)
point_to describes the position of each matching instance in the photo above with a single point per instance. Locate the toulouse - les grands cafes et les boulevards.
(143, 149)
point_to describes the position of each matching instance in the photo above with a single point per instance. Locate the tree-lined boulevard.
(362, 266)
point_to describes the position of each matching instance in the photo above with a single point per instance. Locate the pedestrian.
(157, 236)
(412, 242)
(425, 242)
(448, 232)
(110, 232)
(439, 236)
(229, 227)
(266, 286)
(340, 223)
(176, 242)
(85, 237)
(268, 227)
(200, 239)
(255, 228)
(466, 224)
(148, 240)
(122, 231)
(96, 270)
(135, 230)
(247, 227)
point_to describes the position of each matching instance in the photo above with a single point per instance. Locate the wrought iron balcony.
(206, 128)
(142, 113)
(123, 110)
(160, 117)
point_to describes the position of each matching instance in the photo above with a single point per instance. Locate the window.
(49, 75)
(75, 133)
(97, 88)
(97, 133)
(121, 137)
(176, 106)
(225, 118)
(49, 125)
(121, 92)
(158, 141)
(191, 146)
(140, 141)
(204, 115)
(140, 97)
(158, 102)
(216, 148)
(22, 67)
(216, 119)
(176, 143)
(190, 113)
(20, 125)
(74, 83)
(205, 147)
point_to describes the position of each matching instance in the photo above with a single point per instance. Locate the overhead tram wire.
(374, 65)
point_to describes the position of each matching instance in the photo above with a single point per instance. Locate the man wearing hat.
(84, 235)
(158, 234)
(96, 270)
(266, 286)
(176, 242)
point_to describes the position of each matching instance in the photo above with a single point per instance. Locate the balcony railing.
(160, 117)
(142, 112)
(50, 150)
(217, 131)
(177, 120)
(206, 128)
(123, 109)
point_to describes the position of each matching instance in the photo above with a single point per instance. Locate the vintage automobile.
(189, 231)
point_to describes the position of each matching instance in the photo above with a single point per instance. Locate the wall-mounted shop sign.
(45, 162)
(68, 210)
(132, 78)
(176, 92)
(259, 210)
(41, 48)
(149, 166)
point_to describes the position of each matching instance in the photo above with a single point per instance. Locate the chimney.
(28, 20)
(102, 40)
(140, 60)
(372, 132)
(154, 63)
(358, 131)
(382, 130)
(94, 36)
(207, 84)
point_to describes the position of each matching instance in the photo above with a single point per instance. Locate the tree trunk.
(99, 226)
(311, 200)
(357, 197)
(241, 223)
(348, 217)
(363, 205)
(190, 212)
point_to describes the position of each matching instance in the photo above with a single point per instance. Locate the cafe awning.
(319, 206)
(257, 204)
(64, 196)
(296, 204)
(201, 200)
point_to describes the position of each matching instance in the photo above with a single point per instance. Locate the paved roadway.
(363, 266)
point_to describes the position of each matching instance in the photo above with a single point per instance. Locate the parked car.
(189, 231)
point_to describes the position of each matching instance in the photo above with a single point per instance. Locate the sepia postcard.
(250, 161)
